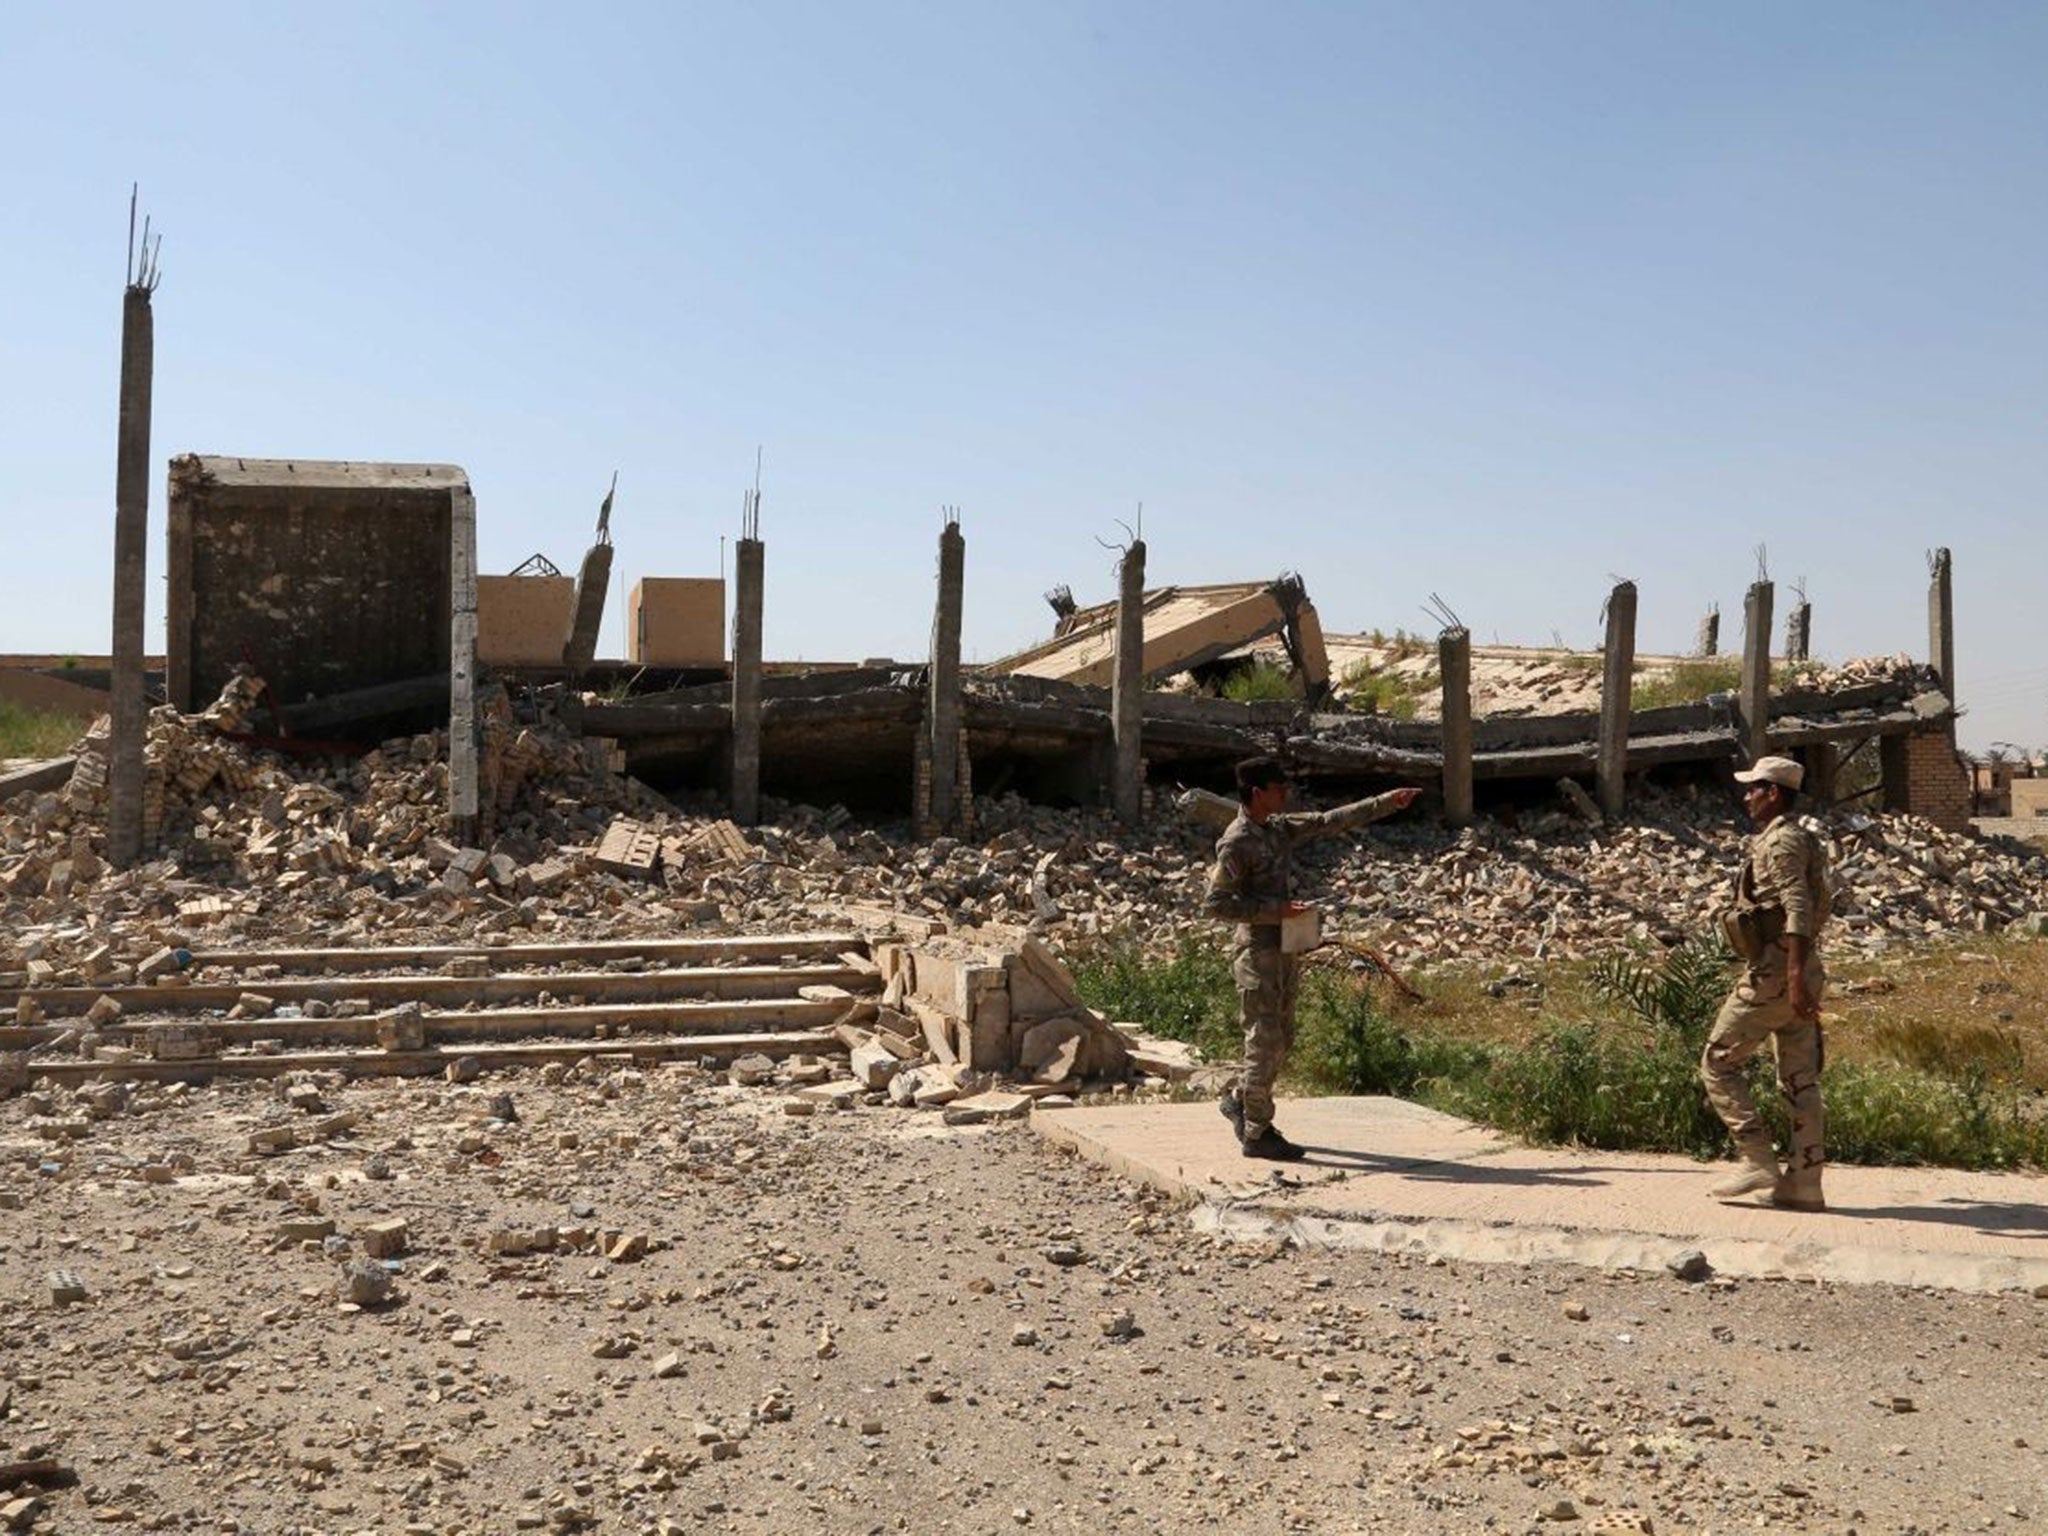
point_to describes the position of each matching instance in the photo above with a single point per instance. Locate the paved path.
(1390, 1175)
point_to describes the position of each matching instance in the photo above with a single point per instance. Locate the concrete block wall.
(523, 620)
(676, 621)
(321, 575)
(2029, 797)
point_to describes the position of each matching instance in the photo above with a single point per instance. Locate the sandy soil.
(869, 1322)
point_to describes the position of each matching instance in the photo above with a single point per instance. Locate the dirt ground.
(866, 1321)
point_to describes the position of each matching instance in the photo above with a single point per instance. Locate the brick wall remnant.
(1924, 775)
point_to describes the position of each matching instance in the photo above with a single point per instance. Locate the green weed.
(1580, 1084)
(1688, 682)
(1396, 695)
(1188, 996)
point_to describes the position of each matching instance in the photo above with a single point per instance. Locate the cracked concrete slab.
(1392, 1176)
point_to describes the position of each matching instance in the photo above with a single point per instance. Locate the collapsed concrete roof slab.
(1184, 628)
(324, 576)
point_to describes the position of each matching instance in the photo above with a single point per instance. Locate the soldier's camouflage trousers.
(1265, 995)
(1760, 1008)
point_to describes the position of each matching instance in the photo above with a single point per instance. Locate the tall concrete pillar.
(1710, 633)
(942, 712)
(131, 571)
(1617, 697)
(1941, 624)
(464, 796)
(749, 574)
(1799, 631)
(1127, 701)
(1454, 666)
(1756, 670)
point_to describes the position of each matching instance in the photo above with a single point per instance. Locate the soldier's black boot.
(1272, 1146)
(1233, 1111)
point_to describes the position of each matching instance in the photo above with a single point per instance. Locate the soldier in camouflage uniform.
(1781, 905)
(1252, 885)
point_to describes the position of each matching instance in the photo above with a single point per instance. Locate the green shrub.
(1887, 1114)
(1347, 1044)
(1397, 696)
(1189, 996)
(1680, 994)
(1578, 1084)
(1260, 682)
(1627, 1083)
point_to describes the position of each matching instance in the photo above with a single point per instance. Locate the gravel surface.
(869, 1322)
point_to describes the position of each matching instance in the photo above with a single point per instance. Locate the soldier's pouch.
(1754, 931)
(1764, 981)
(1256, 970)
(1731, 930)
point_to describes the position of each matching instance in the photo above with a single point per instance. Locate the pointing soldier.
(1252, 885)
(1781, 905)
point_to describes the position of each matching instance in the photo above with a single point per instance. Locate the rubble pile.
(1550, 886)
(1510, 683)
(1857, 671)
(260, 847)
(241, 831)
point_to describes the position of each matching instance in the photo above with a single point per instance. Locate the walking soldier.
(1781, 905)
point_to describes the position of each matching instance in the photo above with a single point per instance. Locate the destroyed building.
(305, 864)
(346, 585)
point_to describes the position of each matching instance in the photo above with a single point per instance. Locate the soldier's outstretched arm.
(1305, 825)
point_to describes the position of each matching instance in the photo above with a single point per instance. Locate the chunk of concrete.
(981, 1108)
(873, 1064)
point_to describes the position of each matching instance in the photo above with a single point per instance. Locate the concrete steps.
(729, 1005)
(700, 983)
(745, 948)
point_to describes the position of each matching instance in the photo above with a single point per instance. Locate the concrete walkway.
(1392, 1176)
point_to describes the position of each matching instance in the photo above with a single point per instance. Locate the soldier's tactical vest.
(1752, 925)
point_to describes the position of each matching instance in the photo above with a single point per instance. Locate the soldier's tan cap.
(1773, 770)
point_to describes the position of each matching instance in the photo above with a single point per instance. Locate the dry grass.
(1982, 1001)
(1982, 1004)
(1944, 1009)
(32, 733)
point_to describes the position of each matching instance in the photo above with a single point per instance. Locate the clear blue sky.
(1490, 300)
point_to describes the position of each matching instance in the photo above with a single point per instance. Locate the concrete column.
(749, 578)
(1454, 666)
(131, 577)
(1823, 766)
(1756, 670)
(1710, 633)
(942, 711)
(1941, 625)
(1127, 699)
(1799, 631)
(463, 799)
(1617, 695)
(1894, 767)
